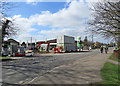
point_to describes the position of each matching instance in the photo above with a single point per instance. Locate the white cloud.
(33, 2)
(71, 17)
(30, 1)
(24, 26)
(69, 21)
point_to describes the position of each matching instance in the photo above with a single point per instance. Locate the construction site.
(61, 44)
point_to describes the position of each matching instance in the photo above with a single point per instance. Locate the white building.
(67, 42)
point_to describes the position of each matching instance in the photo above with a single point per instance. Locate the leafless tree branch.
(106, 20)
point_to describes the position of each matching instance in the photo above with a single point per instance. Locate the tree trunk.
(4, 26)
(118, 44)
(2, 34)
(0, 42)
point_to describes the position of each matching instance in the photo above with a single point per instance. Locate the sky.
(47, 20)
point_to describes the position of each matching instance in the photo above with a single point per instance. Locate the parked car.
(29, 53)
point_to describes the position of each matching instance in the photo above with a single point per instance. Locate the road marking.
(32, 80)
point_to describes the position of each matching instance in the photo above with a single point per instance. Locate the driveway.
(67, 68)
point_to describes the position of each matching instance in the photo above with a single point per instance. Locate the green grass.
(111, 57)
(4, 57)
(110, 74)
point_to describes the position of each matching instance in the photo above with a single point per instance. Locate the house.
(9, 47)
(12, 42)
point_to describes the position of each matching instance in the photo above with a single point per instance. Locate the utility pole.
(20, 43)
(31, 42)
(92, 38)
(35, 42)
(27, 43)
(46, 39)
(92, 41)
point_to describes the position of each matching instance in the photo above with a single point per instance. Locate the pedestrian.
(101, 49)
(106, 49)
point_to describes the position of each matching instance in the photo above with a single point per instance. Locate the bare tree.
(4, 7)
(106, 20)
(7, 28)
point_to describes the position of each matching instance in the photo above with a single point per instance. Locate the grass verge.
(110, 74)
(4, 57)
(111, 57)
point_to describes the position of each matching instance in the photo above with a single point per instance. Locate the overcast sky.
(47, 20)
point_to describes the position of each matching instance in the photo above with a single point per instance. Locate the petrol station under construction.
(61, 44)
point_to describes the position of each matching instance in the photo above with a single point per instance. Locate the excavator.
(44, 43)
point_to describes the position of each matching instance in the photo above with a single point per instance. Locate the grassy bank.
(111, 57)
(110, 75)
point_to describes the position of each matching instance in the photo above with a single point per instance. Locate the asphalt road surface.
(26, 69)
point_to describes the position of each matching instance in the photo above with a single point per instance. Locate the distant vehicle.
(4, 53)
(29, 53)
(4, 50)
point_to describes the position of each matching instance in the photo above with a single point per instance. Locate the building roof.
(49, 41)
(52, 41)
(12, 41)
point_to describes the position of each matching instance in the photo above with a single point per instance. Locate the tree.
(0, 41)
(106, 20)
(98, 44)
(23, 44)
(85, 41)
(7, 28)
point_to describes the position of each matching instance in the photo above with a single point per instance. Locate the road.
(26, 69)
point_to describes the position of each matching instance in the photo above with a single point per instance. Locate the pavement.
(68, 68)
(115, 62)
